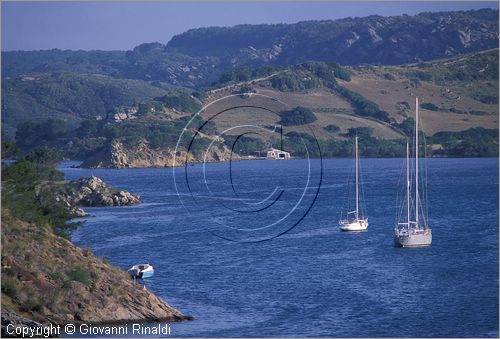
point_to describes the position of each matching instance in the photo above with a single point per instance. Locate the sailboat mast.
(357, 190)
(408, 184)
(416, 162)
(281, 138)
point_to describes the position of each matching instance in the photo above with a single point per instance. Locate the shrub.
(487, 99)
(473, 112)
(332, 128)
(299, 135)
(244, 145)
(245, 89)
(56, 276)
(44, 156)
(298, 116)
(78, 274)
(327, 71)
(407, 126)
(293, 82)
(30, 134)
(429, 106)
(88, 128)
(474, 142)
(360, 132)
(180, 101)
(200, 95)
(340, 72)
(32, 303)
(456, 110)
(236, 75)
(9, 150)
(362, 105)
(9, 286)
(421, 75)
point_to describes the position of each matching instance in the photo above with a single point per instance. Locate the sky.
(124, 25)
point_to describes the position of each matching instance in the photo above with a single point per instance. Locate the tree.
(429, 106)
(181, 101)
(332, 128)
(9, 150)
(44, 156)
(360, 132)
(407, 126)
(298, 116)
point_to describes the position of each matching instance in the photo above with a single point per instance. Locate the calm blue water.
(312, 281)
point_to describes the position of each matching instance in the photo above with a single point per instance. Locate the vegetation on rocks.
(46, 278)
(88, 191)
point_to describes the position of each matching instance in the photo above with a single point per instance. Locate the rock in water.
(92, 191)
(87, 192)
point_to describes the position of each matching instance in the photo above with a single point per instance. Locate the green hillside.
(456, 95)
(462, 92)
(69, 97)
(323, 101)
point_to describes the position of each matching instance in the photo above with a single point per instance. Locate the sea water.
(253, 248)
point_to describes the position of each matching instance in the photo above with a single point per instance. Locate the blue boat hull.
(148, 274)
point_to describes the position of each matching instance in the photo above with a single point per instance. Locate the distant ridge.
(199, 56)
(371, 39)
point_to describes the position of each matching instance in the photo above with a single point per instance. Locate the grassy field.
(456, 87)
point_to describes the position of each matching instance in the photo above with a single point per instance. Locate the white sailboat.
(414, 233)
(354, 221)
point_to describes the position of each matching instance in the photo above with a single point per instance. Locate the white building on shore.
(273, 154)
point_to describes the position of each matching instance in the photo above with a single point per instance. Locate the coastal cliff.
(48, 279)
(142, 154)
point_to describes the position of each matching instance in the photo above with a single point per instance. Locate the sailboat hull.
(412, 238)
(354, 226)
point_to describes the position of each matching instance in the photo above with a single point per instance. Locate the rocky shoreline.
(85, 192)
(143, 155)
(46, 279)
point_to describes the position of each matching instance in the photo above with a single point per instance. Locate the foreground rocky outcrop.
(87, 192)
(142, 154)
(47, 279)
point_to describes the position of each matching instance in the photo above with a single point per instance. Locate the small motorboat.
(141, 271)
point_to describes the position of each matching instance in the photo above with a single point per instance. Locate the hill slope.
(199, 56)
(372, 39)
(457, 94)
(69, 97)
(44, 276)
